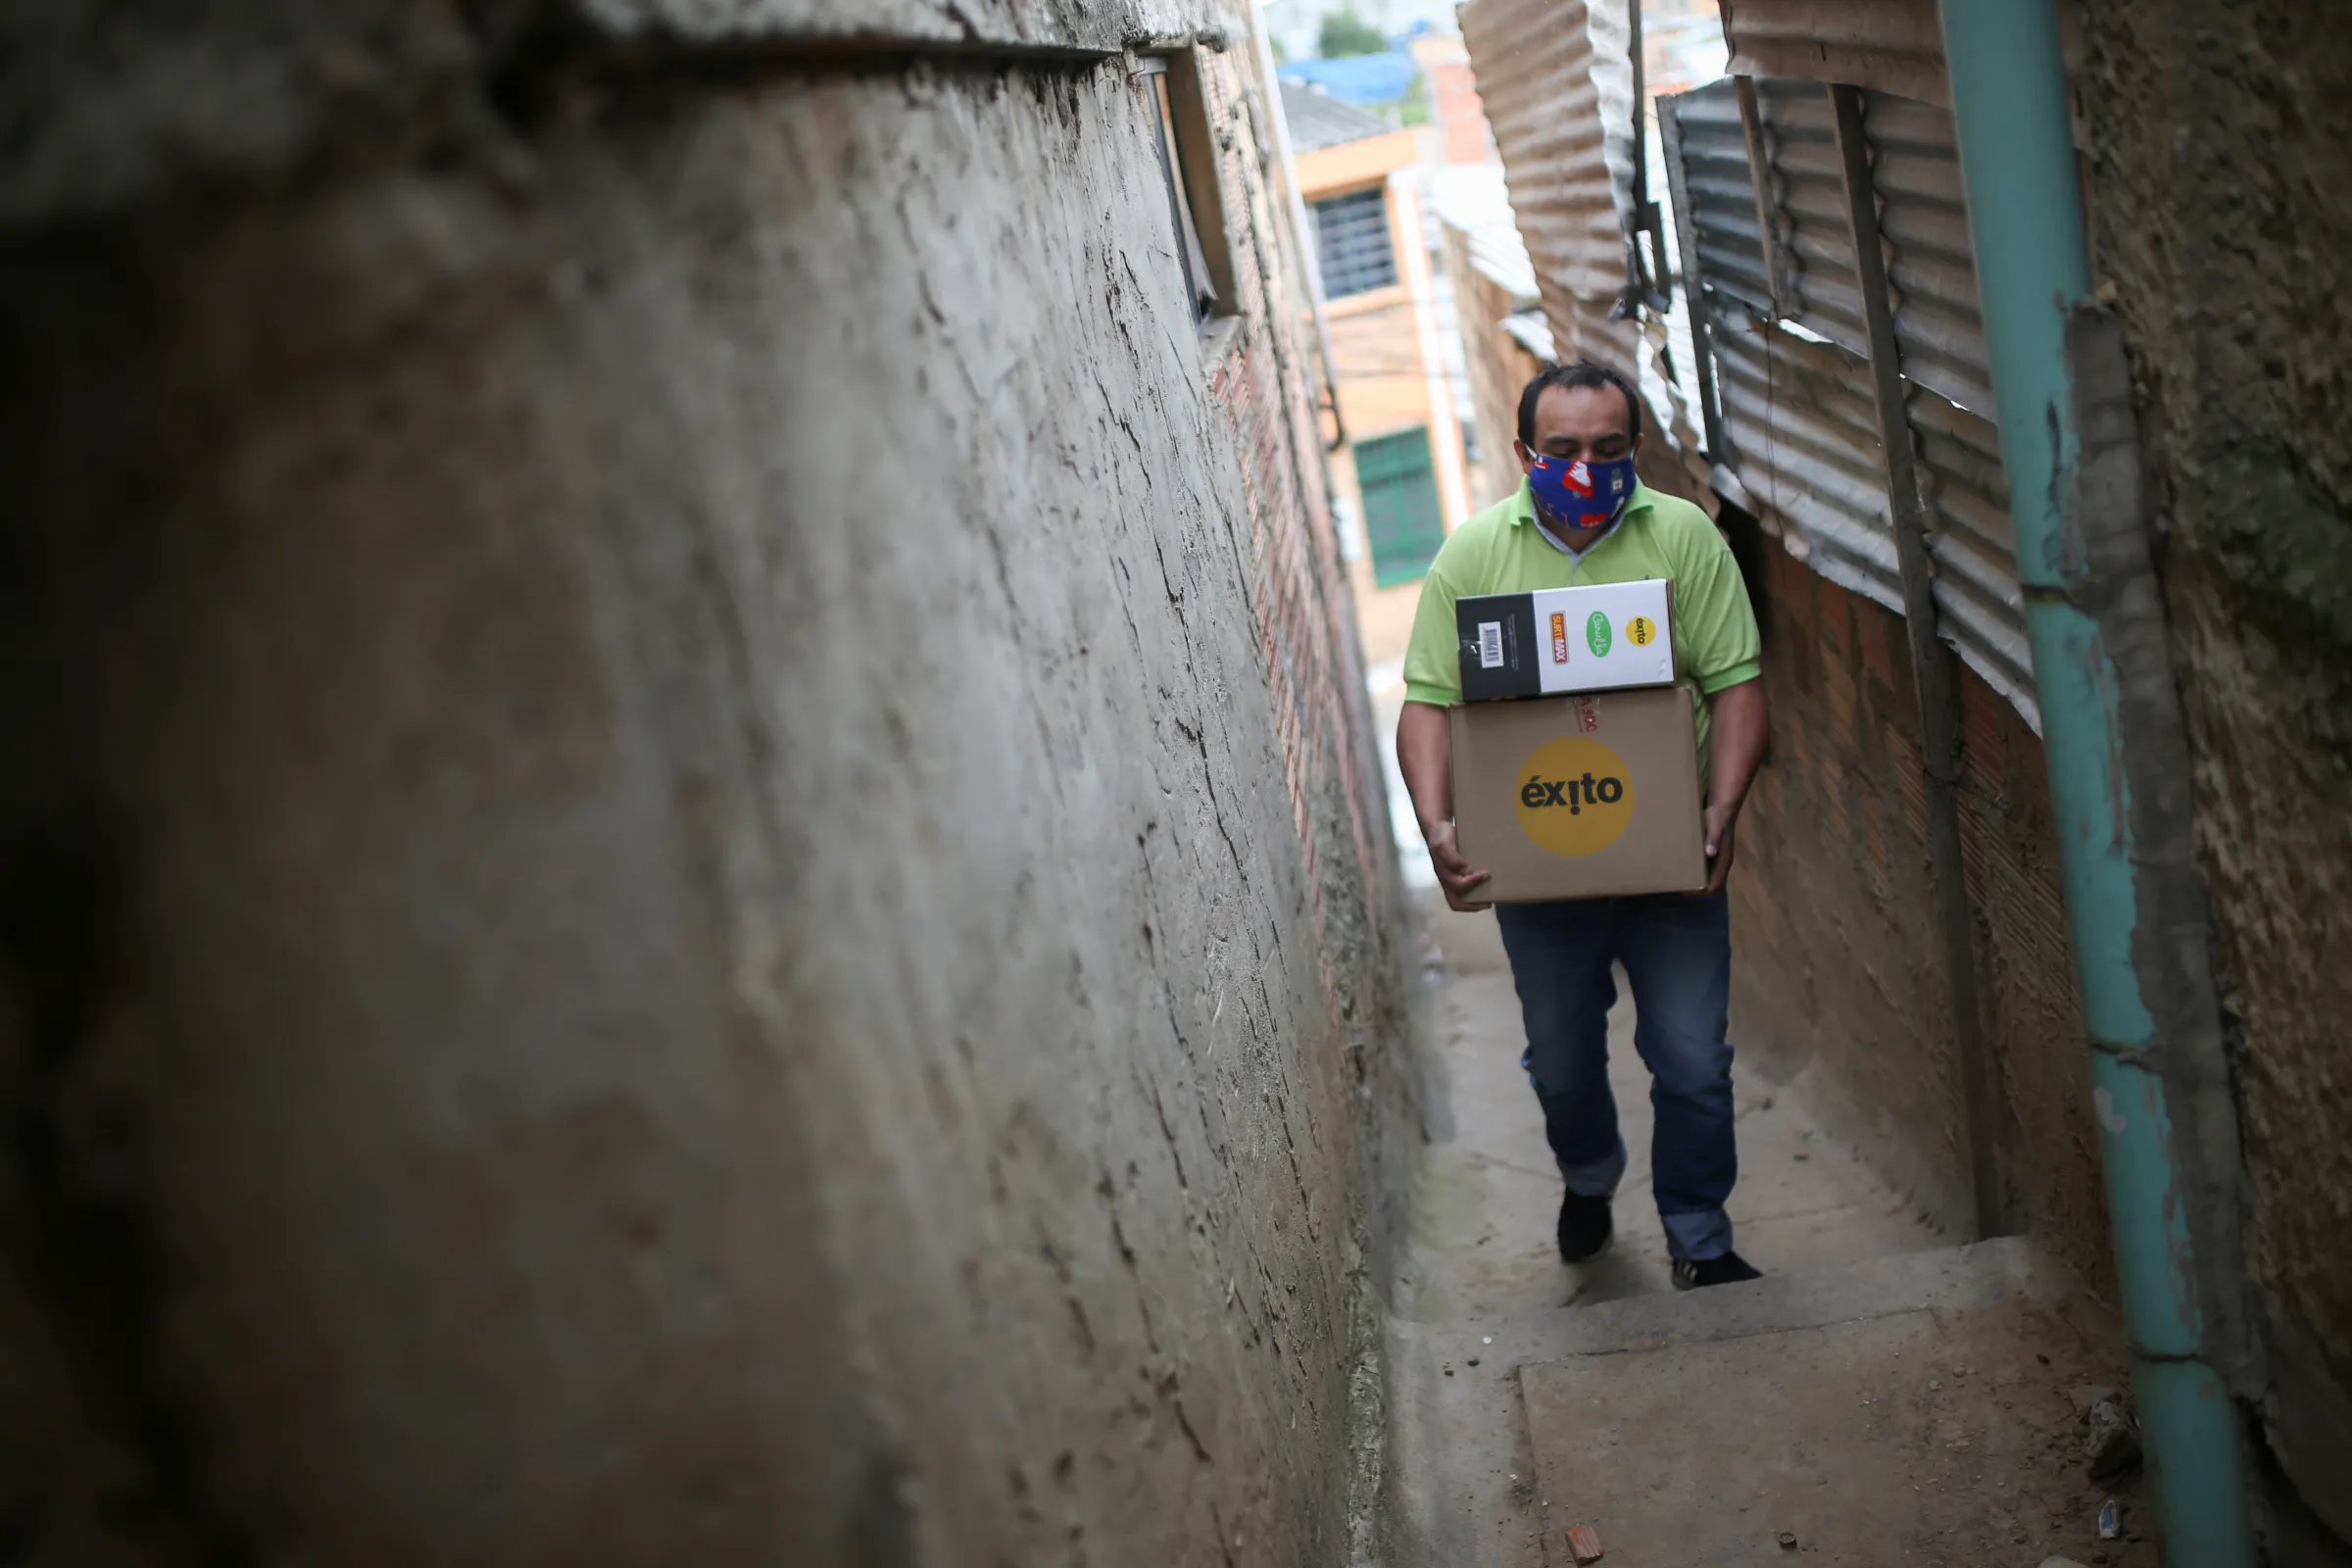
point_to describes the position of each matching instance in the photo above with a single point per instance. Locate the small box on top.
(1556, 640)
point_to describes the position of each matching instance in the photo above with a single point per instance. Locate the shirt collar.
(1523, 510)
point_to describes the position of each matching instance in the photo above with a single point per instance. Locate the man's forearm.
(1424, 756)
(1742, 728)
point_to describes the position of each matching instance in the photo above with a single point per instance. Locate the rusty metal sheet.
(1980, 606)
(1807, 187)
(1533, 61)
(1799, 425)
(1804, 441)
(1892, 45)
(1721, 195)
(1931, 263)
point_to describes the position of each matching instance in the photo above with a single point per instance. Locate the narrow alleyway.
(1882, 1397)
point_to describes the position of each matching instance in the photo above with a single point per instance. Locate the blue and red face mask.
(1573, 494)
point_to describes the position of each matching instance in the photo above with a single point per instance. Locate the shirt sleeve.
(1715, 625)
(1433, 668)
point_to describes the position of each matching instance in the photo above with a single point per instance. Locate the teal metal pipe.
(2024, 213)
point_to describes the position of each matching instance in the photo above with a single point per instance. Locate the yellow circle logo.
(1638, 631)
(1575, 796)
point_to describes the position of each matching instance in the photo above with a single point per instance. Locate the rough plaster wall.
(2221, 149)
(1837, 961)
(698, 884)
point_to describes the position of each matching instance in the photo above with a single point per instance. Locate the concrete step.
(1949, 1279)
(1910, 1410)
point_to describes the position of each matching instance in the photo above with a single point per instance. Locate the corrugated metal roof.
(1381, 78)
(1535, 61)
(1473, 199)
(1318, 121)
(1534, 334)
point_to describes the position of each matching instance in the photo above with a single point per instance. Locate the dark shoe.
(1729, 1269)
(1585, 1228)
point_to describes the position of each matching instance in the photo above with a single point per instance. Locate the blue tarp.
(1358, 79)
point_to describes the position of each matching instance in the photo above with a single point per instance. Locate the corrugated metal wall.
(1967, 492)
(1722, 197)
(1558, 85)
(1795, 392)
(1806, 186)
(1533, 60)
(1930, 267)
(1893, 44)
(1800, 418)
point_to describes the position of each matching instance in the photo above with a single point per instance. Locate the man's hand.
(1424, 749)
(1735, 750)
(1722, 824)
(1455, 875)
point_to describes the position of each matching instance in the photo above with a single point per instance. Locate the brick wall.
(1838, 953)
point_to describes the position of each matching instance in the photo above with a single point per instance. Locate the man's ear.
(1527, 459)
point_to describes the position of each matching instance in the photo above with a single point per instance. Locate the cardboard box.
(1582, 796)
(1601, 638)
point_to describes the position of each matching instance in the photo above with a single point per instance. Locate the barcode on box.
(1490, 645)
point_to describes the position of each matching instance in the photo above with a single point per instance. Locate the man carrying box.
(1581, 519)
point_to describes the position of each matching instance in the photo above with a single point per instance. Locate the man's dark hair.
(1580, 373)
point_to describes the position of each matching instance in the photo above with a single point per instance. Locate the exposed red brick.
(1837, 685)
(1831, 611)
(1872, 626)
(1902, 757)
(1839, 946)
(1984, 720)
(1873, 831)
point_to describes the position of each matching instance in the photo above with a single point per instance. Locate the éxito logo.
(1574, 796)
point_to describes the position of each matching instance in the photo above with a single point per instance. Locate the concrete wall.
(689, 866)
(1837, 958)
(2221, 148)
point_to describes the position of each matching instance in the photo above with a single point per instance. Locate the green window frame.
(1403, 521)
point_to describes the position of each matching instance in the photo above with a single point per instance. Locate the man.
(1579, 517)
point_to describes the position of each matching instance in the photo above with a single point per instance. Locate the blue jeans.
(1676, 951)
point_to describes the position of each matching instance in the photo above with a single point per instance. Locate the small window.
(1188, 166)
(1352, 243)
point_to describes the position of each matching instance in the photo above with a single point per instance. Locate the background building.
(1401, 472)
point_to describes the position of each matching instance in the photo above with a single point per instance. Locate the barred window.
(1352, 243)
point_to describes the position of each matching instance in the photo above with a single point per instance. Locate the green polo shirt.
(1501, 550)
